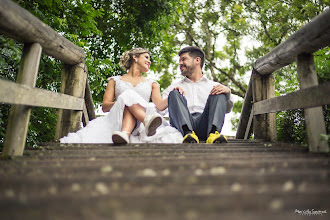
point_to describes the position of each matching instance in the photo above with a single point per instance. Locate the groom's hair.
(194, 52)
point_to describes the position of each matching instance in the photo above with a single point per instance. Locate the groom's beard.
(187, 70)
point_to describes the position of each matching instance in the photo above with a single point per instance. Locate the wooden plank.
(75, 82)
(310, 38)
(264, 126)
(19, 116)
(85, 116)
(13, 93)
(245, 113)
(304, 98)
(314, 118)
(249, 125)
(64, 77)
(19, 24)
(89, 102)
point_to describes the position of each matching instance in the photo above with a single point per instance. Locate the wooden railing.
(260, 104)
(17, 23)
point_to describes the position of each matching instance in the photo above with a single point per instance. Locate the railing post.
(314, 118)
(73, 83)
(264, 126)
(244, 126)
(89, 111)
(89, 102)
(20, 114)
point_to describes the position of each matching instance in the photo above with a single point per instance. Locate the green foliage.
(10, 58)
(208, 24)
(291, 126)
(42, 126)
(126, 24)
(326, 113)
(9, 61)
(4, 113)
(322, 64)
(104, 29)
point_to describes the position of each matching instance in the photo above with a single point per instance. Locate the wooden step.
(237, 180)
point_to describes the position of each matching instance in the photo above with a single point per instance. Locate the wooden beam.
(19, 116)
(73, 83)
(245, 113)
(85, 118)
(304, 98)
(248, 130)
(310, 38)
(19, 24)
(264, 126)
(89, 102)
(13, 93)
(314, 118)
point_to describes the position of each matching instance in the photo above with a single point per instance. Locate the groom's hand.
(220, 89)
(181, 91)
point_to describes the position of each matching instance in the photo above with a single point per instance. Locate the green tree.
(62, 16)
(104, 29)
(126, 24)
(206, 24)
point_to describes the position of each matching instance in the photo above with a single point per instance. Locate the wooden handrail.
(17, 94)
(308, 39)
(260, 97)
(303, 98)
(19, 24)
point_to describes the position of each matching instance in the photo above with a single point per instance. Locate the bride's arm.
(108, 98)
(160, 103)
(157, 98)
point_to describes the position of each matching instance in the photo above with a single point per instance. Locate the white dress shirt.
(197, 93)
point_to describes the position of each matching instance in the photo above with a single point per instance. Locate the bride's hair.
(126, 59)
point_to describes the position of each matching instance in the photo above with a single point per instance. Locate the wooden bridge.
(242, 179)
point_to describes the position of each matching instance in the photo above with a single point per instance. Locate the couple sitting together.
(196, 105)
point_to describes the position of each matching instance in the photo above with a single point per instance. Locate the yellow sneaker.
(216, 138)
(190, 138)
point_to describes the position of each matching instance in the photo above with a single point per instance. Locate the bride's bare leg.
(128, 121)
(138, 112)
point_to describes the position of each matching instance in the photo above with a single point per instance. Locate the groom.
(196, 105)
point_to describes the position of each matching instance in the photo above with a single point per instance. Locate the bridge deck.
(238, 180)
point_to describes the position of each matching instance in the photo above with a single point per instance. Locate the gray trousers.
(201, 123)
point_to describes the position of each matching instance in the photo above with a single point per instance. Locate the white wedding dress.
(100, 129)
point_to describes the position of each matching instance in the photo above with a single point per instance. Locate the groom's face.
(186, 64)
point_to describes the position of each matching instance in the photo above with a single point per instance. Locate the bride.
(130, 118)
